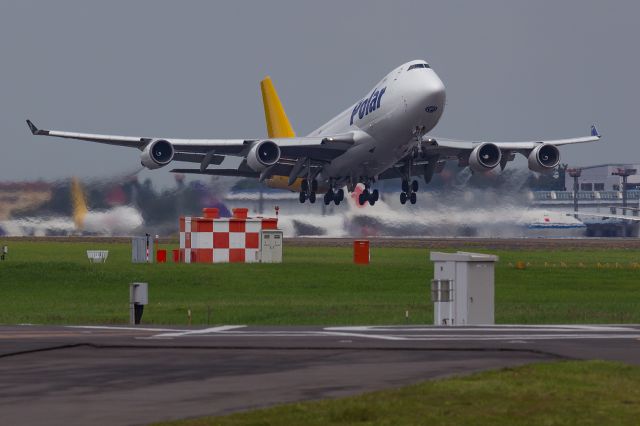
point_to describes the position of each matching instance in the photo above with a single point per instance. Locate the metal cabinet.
(271, 246)
(462, 288)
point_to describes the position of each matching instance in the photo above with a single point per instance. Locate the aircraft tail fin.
(278, 125)
(80, 209)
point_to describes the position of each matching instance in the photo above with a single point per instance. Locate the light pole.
(624, 173)
(575, 174)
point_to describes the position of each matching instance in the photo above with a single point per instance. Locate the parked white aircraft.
(384, 135)
(121, 220)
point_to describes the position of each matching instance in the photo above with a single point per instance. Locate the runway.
(136, 375)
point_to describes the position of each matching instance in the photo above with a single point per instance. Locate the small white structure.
(97, 256)
(271, 246)
(462, 289)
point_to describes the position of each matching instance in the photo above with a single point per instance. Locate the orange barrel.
(161, 256)
(240, 213)
(176, 255)
(211, 213)
(361, 255)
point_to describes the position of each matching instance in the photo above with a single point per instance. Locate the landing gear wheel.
(312, 197)
(405, 185)
(375, 195)
(413, 198)
(362, 199)
(304, 186)
(303, 197)
(403, 198)
(339, 195)
(414, 186)
(328, 197)
(337, 202)
(314, 185)
(371, 201)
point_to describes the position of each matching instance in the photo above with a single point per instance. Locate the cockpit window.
(414, 66)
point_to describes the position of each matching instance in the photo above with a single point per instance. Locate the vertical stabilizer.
(278, 125)
(80, 209)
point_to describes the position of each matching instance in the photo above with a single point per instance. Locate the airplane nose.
(434, 92)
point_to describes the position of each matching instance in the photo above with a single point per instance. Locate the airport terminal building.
(601, 177)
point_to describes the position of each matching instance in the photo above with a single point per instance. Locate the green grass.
(48, 283)
(559, 393)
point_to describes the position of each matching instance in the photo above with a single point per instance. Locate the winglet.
(35, 130)
(594, 131)
(32, 127)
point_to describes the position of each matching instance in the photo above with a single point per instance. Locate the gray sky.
(513, 70)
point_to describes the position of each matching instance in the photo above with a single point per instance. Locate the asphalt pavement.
(137, 375)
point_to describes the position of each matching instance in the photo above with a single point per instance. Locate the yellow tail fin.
(278, 125)
(79, 203)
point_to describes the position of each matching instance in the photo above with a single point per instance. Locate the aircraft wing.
(213, 151)
(453, 144)
(606, 216)
(431, 153)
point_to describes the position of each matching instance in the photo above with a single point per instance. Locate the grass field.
(560, 393)
(53, 283)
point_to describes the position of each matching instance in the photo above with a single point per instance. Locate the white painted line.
(366, 336)
(412, 337)
(379, 329)
(210, 330)
(105, 327)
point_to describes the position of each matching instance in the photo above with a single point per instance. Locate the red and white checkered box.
(210, 239)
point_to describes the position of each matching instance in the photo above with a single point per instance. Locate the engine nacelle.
(262, 155)
(156, 154)
(544, 158)
(484, 157)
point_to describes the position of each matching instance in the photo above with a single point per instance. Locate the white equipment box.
(271, 246)
(462, 289)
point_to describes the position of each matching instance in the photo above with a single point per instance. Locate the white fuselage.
(404, 105)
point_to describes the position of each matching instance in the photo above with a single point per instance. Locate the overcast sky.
(512, 71)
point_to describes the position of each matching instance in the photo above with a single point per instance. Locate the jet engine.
(484, 157)
(263, 154)
(543, 158)
(156, 154)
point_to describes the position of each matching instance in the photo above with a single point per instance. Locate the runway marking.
(106, 327)
(427, 333)
(182, 333)
(510, 334)
(497, 328)
(460, 338)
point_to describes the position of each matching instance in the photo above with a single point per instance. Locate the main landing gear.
(308, 190)
(334, 195)
(409, 192)
(368, 196)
